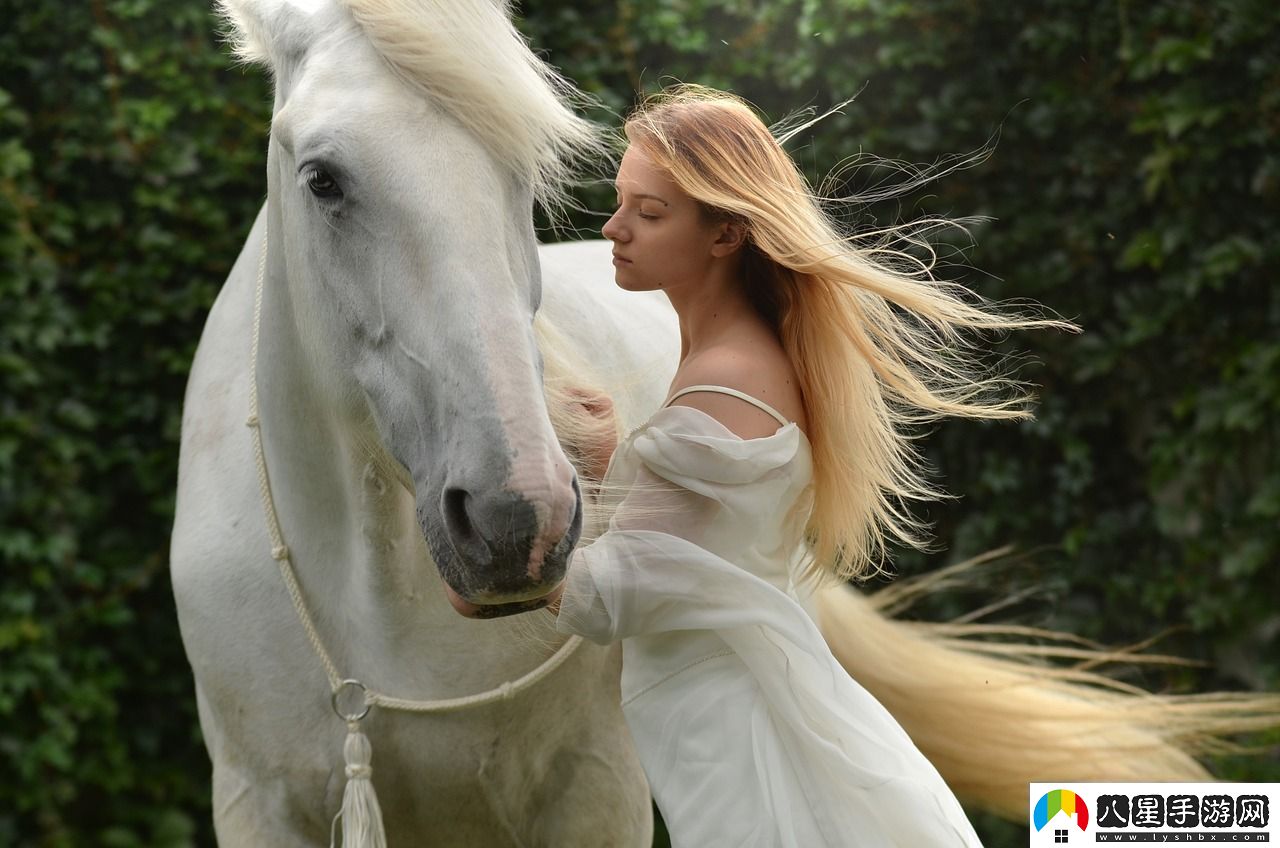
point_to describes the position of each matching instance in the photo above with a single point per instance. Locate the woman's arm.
(622, 582)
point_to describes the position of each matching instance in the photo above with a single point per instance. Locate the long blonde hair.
(877, 343)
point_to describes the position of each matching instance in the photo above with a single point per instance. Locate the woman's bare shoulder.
(762, 371)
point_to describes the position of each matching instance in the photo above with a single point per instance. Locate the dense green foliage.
(1134, 189)
(130, 167)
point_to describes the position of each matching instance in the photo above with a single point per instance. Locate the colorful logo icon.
(1060, 801)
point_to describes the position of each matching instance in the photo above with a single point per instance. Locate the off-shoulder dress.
(750, 732)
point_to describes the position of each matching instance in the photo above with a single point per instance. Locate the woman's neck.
(712, 310)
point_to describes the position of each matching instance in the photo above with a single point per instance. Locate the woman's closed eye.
(617, 206)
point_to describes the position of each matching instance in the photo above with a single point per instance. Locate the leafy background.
(1134, 188)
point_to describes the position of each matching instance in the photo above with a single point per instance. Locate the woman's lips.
(618, 260)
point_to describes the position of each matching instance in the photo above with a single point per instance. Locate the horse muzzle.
(469, 610)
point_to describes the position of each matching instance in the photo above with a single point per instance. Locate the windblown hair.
(993, 710)
(878, 344)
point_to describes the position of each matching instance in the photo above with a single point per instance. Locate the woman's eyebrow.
(643, 196)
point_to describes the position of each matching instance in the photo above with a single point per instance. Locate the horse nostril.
(455, 515)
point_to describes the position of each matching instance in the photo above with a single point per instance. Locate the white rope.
(281, 554)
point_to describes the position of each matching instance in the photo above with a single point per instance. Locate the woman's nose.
(611, 229)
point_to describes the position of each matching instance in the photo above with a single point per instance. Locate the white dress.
(750, 732)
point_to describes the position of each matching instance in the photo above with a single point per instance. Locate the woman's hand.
(598, 451)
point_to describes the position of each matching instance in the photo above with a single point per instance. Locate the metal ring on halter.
(363, 696)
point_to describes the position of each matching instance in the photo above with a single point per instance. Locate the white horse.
(407, 445)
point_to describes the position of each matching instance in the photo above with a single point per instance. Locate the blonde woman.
(804, 354)
(782, 423)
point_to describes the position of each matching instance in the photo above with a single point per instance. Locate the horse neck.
(352, 531)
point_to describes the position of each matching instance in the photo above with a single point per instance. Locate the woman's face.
(661, 239)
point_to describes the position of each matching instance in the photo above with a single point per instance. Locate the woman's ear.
(731, 236)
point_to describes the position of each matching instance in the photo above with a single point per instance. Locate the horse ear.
(272, 33)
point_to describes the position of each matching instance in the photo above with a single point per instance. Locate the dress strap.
(725, 390)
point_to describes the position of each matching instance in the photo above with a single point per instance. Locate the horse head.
(409, 141)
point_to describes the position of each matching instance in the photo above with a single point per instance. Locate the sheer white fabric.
(749, 730)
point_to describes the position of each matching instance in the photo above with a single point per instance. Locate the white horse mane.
(467, 56)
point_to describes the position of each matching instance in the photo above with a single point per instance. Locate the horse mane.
(467, 56)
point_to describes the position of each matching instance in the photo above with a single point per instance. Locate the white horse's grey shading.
(409, 448)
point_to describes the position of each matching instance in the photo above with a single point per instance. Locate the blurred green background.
(1134, 189)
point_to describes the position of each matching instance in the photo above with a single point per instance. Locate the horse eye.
(321, 184)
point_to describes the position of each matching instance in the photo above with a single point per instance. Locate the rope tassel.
(361, 816)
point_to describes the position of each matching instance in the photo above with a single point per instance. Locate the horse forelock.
(467, 56)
